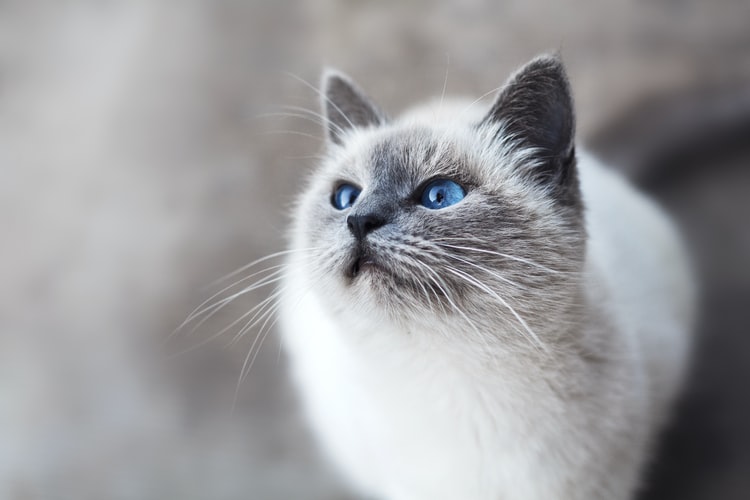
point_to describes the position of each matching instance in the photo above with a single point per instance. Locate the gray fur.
(506, 302)
(536, 108)
(492, 217)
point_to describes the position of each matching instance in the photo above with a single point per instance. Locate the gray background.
(139, 163)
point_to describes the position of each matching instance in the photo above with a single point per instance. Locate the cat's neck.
(465, 339)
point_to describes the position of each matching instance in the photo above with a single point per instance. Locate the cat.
(473, 309)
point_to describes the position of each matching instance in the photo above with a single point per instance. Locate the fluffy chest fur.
(406, 418)
(467, 310)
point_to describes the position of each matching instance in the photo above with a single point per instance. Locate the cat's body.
(523, 343)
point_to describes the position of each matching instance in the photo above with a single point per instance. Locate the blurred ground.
(136, 168)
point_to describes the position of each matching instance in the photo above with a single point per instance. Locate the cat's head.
(441, 215)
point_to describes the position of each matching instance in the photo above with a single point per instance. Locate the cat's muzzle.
(362, 260)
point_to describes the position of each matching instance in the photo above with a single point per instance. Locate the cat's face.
(413, 219)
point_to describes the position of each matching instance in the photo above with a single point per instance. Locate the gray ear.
(536, 108)
(346, 106)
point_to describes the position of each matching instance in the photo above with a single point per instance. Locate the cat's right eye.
(344, 196)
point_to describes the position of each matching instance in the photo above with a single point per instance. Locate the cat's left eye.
(441, 193)
(344, 196)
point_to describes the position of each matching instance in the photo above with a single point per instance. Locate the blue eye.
(441, 193)
(344, 196)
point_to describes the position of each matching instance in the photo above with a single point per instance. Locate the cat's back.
(637, 252)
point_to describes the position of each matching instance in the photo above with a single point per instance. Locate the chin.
(373, 293)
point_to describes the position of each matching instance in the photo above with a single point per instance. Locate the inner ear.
(536, 110)
(347, 107)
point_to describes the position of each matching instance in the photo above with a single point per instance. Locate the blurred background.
(140, 161)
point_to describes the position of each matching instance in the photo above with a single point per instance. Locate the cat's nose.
(360, 225)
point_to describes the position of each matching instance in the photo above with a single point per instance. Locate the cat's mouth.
(362, 261)
(372, 269)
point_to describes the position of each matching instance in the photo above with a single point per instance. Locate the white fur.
(417, 417)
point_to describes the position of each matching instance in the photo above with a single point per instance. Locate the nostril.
(372, 222)
(361, 225)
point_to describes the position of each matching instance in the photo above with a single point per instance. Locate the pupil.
(439, 196)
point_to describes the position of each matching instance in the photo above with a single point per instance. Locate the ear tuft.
(346, 106)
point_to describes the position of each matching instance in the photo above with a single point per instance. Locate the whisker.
(266, 306)
(485, 288)
(262, 259)
(445, 80)
(225, 302)
(322, 95)
(300, 116)
(291, 132)
(220, 332)
(267, 327)
(198, 310)
(303, 109)
(426, 294)
(482, 268)
(322, 119)
(499, 254)
(475, 101)
(273, 274)
(449, 299)
(410, 263)
(249, 360)
(245, 369)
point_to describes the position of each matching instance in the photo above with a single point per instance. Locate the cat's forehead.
(405, 155)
